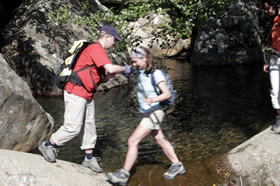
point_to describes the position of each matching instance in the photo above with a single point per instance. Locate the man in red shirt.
(273, 63)
(79, 103)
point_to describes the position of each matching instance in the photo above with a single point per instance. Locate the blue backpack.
(173, 92)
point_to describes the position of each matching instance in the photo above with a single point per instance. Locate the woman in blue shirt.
(152, 116)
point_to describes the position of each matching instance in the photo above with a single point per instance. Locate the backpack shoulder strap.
(154, 82)
(76, 45)
(86, 67)
(80, 46)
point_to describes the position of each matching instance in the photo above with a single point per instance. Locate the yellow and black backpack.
(65, 72)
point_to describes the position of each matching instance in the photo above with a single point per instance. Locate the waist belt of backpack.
(74, 77)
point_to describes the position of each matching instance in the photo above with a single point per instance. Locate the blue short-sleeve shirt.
(145, 88)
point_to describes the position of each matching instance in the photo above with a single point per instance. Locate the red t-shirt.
(93, 54)
(275, 34)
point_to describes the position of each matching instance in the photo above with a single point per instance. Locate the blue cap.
(107, 29)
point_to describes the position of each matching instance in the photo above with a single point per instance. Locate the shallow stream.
(217, 109)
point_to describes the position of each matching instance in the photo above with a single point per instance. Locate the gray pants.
(78, 119)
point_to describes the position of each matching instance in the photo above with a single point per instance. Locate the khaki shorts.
(152, 120)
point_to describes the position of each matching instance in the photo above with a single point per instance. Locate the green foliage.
(177, 18)
(62, 14)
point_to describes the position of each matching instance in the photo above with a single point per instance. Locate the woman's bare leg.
(165, 145)
(133, 141)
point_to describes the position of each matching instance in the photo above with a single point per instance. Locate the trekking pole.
(161, 123)
(145, 96)
(144, 93)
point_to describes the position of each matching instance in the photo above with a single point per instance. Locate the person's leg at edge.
(274, 72)
(276, 126)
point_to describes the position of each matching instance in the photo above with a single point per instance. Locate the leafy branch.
(177, 18)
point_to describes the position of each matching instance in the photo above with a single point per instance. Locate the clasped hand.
(128, 69)
(148, 101)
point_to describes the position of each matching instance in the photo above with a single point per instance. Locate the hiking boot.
(120, 176)
(92, 164)
(276, 126)
(48, 152)
(174, 170)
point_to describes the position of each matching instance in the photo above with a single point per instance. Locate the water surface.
(217, 109)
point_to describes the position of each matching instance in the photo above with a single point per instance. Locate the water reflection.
(217, 109)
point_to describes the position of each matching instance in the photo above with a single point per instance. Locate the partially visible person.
(79, 115)
(152, 116)
(273, 59)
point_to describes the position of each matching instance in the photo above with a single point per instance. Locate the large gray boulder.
(19, 168)
(257, 161)
(23, 122)
(145, 28)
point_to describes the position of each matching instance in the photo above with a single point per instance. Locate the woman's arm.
(165, 94)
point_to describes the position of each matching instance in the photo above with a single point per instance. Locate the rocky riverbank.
(254, 162)
(26, 169)
(257, 161)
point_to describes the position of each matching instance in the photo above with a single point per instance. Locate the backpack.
(65, 73)
(173, 92)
